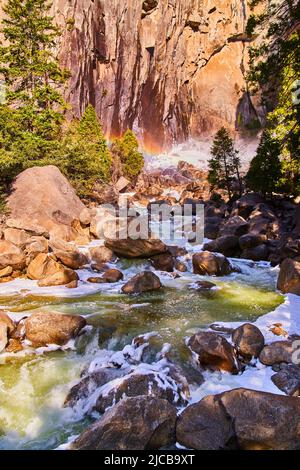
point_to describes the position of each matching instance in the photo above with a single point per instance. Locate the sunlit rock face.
(169, 69)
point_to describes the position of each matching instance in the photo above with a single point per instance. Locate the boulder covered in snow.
(137, 423)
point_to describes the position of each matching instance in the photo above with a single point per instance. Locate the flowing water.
(33, 387)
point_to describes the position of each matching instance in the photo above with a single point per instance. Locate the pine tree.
(126, 150)
(285, 124)
(265, 172)
(276, 29)
(31, 117)
(28, 63)
(274, 70)
(224, 166)
(85, 158)
(31, 131)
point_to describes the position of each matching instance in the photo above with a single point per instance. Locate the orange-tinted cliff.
(169, 69)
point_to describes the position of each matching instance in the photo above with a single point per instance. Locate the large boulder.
(248, 340)
(245, 205)
(251, 240)
(29, 226)
(58, 244)
(180, 266)
(227, 245)
(142, 282)
(71, 259)
(129, 248)
(49, 272)
(112, 275)
(152, 384)
(241, 419)
(164, 262)
(278, 352)
(214, 352)
(80, 392)
(44, 328)
(137, 423)
(102, 254)
(207, 263)
(288, 248)
(205, 426)
(289, 277)
(36, 245)
(213, 211)
(263, 210)
(15, 236)
(62, 277)
(263, 221)
(85, 216)
(236, 226)
(43, 197)
(257, 253)
(105, 193)
(104, 220)
(212, 227)
(11, 255)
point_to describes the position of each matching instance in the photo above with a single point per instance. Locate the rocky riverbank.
(229, 369)
(47, 223)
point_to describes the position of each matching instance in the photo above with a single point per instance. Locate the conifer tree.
(274, 70)
(31, 117)
(126, 149)
(264, 173)
(224, 166)
(86, 158)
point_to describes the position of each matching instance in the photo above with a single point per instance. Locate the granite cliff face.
(169, 69)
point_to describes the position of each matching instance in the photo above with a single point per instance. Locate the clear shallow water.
(33, 389)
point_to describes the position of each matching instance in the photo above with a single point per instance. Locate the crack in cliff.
(163, 92)
(215, 52)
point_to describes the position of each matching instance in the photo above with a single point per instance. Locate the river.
(33, 386)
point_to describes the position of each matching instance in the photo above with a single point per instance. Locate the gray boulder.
(137, 423)
(241, 419)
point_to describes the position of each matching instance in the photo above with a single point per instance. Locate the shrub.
(126, 150)
(85, 157)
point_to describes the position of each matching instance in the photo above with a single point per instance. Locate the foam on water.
(33, 388)
(198, 153)
(32, 394)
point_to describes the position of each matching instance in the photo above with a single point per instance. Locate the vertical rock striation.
(169, 69)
